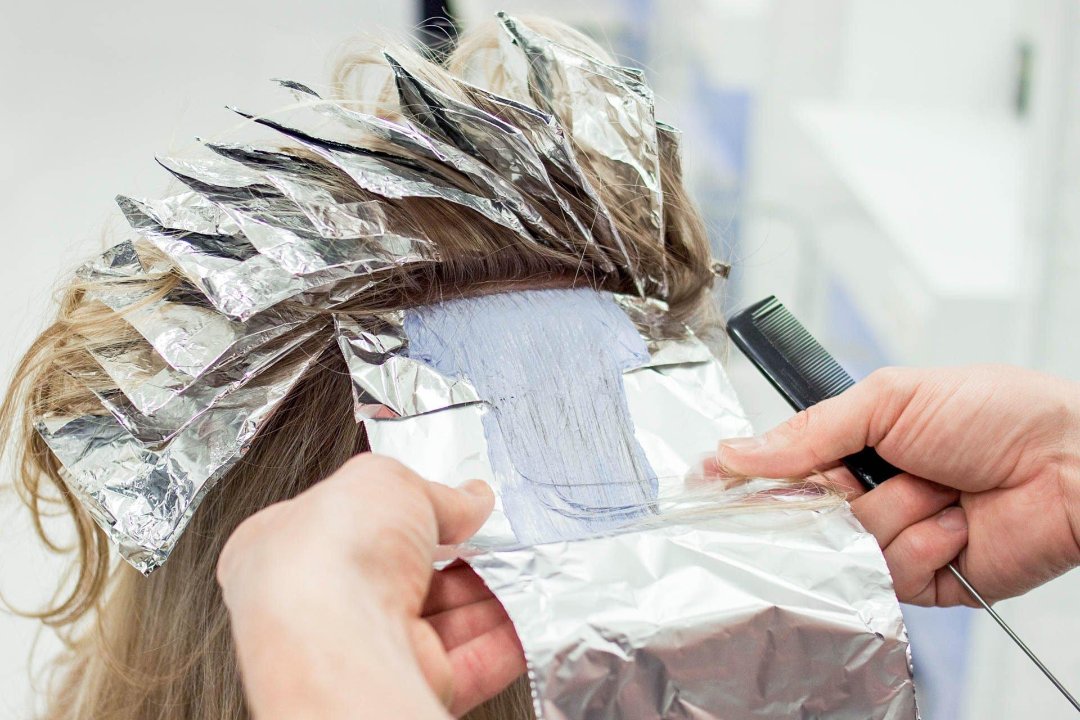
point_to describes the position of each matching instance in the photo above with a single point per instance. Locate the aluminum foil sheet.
(680, 402)
(291, 218)
(171, 415)
(220, 280)
(572, 187)
(385, 378)
(181, 328)
(121, 261)
(500, 145)
(770, 613)
(143, 497)
(705, 605)
(624, 132)
(401, 176)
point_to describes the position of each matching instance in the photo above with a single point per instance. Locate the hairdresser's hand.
(337, 614)
(1002, 442)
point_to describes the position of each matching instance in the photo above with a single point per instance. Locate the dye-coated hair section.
(549, 364)
(159, 647)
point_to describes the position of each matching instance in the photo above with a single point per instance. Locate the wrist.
(1069, 466)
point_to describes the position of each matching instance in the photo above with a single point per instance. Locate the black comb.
(804, 373)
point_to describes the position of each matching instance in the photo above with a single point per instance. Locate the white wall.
(92, 91)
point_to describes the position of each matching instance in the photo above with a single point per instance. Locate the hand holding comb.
(804, 373)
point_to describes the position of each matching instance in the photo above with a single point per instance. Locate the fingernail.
(742, 444)
(953, 518)
(476, 488)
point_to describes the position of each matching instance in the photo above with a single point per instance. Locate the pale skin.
(992, 461)
(336, 612)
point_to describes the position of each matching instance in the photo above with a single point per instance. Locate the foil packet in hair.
(658, 596)
(143, 495)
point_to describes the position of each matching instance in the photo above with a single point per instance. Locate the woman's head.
(159, 646)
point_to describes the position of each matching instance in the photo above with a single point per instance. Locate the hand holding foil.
(335, 609)
(994, 474)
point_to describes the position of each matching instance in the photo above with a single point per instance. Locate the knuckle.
(803, 425)
(920, 550)
(369, 465)
(799, 422)
(886, 378)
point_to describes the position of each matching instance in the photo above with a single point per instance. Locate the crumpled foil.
(180, 328)
(143, 496)
(770, 613)
(700, 610)
(384, 377)
(173, 415)
(216, 278)
(623, 133)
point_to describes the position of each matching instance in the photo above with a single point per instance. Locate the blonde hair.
(160, 647)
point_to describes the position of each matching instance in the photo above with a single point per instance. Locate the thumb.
(823, 433)
(459, 512)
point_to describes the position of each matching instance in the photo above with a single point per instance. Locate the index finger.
(824, 433)
(460, 511)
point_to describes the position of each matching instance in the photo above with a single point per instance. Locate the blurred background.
(905, 176)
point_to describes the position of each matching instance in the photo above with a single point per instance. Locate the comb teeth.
(805, 374)
(806, 355)
(789, 356)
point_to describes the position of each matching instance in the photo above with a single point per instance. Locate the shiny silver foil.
(601, 239)
(220, 281)
(181, 328)
(623, 133)
(143, 496)
(710, 607)
(384, 377)
(765, 613)
(173, 414)
(680, 400)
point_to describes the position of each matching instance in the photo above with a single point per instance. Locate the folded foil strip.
(191, 338)
(230, 271)
(120, 262)
(569, 182)
(181, 328)
(417, 174)
(622, 132)
(234, 277)
(287, 216)
(383, 376)
(477, 134)
(143, 497)
(173, 414)
(752, 614)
